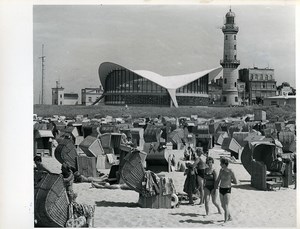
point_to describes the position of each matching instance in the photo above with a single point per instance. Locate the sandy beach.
(249, 207)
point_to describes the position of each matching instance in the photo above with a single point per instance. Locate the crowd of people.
(203, 179)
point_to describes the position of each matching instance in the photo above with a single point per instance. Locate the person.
(200, 166)
(225, 178)
(190, 184)
(188, 153)
(210, 177)
(68, 179)
(294, 169)
(39, 166)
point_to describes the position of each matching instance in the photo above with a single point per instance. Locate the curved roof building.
(140, 87)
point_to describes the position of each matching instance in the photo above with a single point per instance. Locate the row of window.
(263, 94)
(141, 99)
(262, 85)
(198, 86)
(126, 81)
(226, 37)
(229, 59)
(225, 82)
(260, 77)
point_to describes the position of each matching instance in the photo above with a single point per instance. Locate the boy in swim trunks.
(226, 177)
(210, 177)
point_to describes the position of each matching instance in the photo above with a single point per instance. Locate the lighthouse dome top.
(230, 14)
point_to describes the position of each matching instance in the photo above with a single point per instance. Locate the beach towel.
(150, 184)
(190, 183)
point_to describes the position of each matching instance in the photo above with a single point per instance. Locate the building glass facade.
(198, 86)
(125, 87)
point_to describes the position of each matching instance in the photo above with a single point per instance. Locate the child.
(190, 184)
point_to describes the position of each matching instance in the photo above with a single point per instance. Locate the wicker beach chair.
(51, 201)
(132, 171)
(66, 152)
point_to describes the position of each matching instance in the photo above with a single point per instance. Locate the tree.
(259, 100)
(284, 84)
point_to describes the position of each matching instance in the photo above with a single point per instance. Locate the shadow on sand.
(200, 221)
(187, 214)
(116, 204)
(245, 186)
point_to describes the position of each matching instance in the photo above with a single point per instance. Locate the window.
(251, 76)
(60, 96)
(225, 57)
(60, 102)
(226, 37)
(235, 57)
(234, 84)
(234, 37)
(224, 98)
(90, 99)
(236, 99)
(234, 47)
(225, 81)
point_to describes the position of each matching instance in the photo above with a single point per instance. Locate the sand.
(249, 207)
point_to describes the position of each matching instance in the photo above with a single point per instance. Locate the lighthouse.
(230, 62)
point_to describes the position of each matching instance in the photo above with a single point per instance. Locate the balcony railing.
(229, 28)
(229, 61)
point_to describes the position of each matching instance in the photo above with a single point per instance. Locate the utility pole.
(43, 70)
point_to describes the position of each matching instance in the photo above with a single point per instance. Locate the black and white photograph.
(163, 115)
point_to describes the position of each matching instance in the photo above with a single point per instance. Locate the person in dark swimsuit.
(210, 176)
(225, 178)
(200, 166)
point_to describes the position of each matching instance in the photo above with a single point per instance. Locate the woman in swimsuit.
(210, 176)
(200, 166)
(226, 177)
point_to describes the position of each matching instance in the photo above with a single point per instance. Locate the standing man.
(200, 165)
(225, 178)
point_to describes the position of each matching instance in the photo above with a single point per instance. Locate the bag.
(78, 222)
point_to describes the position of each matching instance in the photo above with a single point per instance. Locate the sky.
(166, 39)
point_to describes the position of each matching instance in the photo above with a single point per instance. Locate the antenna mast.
(43, 70)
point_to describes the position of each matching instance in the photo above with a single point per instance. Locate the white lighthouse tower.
(230, 62)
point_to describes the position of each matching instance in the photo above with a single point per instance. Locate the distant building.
(259, 82)
(123, 86)
(280, 100)
(70, 99)
(58, 96)
(90, 95)
(241, 87)
(61, 98)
